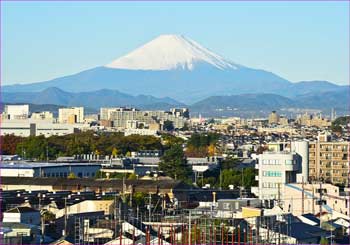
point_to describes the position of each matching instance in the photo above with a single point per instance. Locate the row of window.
(272, 173)
(65, 174)
(277, 162)
(271, 185)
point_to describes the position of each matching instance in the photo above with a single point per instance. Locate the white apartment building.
(275, 170)
(43, 115)
(71, 115)
(16, 112)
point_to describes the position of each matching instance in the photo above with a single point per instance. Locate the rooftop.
(32, 165)
(22, 210)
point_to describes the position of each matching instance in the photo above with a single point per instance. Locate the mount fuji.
(178, 67)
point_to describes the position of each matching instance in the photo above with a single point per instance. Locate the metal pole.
(189, 227)
(149, 208)
(65, 216)
(320, 202)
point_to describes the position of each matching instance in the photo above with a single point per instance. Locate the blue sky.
(296, 40)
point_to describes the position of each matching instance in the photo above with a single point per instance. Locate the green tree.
(114, 152)
(48, 216)
(33, 147)
(185, 127)
(336, 128)
(9, 144)
(71, 175)
(168, 125)
(323, 241)
(139, 198)
(168, 140)
(174, 164)
(132, 176)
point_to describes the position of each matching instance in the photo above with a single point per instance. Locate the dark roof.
(202, 195)
(15, 225)
(312, 218)
(22, 210)
(299, 230)
(90, 182)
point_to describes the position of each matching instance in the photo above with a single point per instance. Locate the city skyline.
(290, 47)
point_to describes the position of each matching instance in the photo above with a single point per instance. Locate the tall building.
(329, 160)
(16, 112)
(275, 170)
(274, 118)
(180, 112)
(124, 117)
(71, 115)
(105, 112)
(302, 148)
(313, 120)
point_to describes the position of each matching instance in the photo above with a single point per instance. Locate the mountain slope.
(94, 99)
(172, 66)
(244, 101)
(177, 67)
(262, 104)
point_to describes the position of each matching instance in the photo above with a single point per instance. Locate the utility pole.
(313, 200)
(320, 201)
(65, 216)
(279, 194)
(41, 219)
(149, 208)
(189, 227)
(115, 213)
(47, 152)
(220, 180)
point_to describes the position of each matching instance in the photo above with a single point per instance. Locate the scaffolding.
(185, 227)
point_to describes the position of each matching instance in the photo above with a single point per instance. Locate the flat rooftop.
(32, 165)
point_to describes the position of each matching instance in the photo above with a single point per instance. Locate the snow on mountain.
(179, 68)
(169, 52)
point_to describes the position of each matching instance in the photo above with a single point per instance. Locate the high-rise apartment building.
(329, 161)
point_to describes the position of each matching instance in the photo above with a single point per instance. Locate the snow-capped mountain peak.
(168, 52)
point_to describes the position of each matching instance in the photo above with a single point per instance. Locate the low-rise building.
(299, 198)
(71, 115)
(30, 127)
(57, 170)
(43, 115)
(25, 215)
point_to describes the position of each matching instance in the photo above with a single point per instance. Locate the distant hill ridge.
(337, 99)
